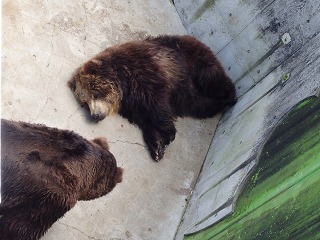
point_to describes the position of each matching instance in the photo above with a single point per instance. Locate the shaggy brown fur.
(44, 172)
(152, 82)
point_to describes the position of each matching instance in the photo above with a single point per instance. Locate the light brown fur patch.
(102, 97)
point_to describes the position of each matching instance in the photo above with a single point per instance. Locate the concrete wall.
(271, 51)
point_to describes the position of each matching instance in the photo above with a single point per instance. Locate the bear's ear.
(101, 141)
(34, 156)
(91, 67)
(72, 84)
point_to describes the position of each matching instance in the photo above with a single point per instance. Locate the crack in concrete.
(131, 143)
(78, 230)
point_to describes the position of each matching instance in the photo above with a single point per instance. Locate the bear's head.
(105, 173)
(93, 84)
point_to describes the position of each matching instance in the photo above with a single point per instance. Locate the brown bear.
(152, 82)
(44, 172)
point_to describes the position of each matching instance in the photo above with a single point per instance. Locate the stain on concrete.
(181, 191)
(65, 22)
(202, 9)
(273, 26)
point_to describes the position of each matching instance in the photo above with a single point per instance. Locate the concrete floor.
(43, 42)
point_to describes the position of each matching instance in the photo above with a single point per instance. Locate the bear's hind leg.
(212, 82)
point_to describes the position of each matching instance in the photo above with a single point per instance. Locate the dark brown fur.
(152, 82)
(44, 172)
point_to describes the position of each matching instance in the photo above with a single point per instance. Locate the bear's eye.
(97, 95)
(93, 71)
(91, 86)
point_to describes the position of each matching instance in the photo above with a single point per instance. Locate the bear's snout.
(98, 109)
(118, 176)
(97, 117)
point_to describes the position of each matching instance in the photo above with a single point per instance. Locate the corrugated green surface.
(281, 199)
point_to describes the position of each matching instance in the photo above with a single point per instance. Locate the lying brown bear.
(152, 82)
(44, 172)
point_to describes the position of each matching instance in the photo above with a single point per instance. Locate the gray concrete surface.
(43, 42)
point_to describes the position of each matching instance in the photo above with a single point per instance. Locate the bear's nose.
(95, 117)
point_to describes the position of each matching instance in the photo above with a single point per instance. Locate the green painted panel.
(281, 199)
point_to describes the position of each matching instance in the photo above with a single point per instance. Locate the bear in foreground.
(44, 172)
(152, 82)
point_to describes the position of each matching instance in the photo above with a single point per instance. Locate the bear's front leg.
(156, 121)
(167, 131)
(155, 143)
(157, 139)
